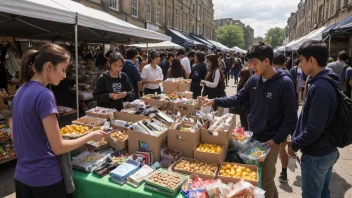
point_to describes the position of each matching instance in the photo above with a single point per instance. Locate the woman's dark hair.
(261, 51)
(114, 56)
(177, 69)
(245, 74)
(131, 53)
(214, 65)
(315, 49)
(220, 55)
(33, 61)
(201, 56)
(153, 55)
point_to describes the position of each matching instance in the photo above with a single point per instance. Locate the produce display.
(178, 80)
(238, 171)
(7, 151)
(255, 154)
(209, 148)
(196, 167)
(97, 145)
(90, 121)
(74, 130)
(4, 132)
(166, 179)
(119, 135)
(169, 156)
(241, 189)
(3, 93)
(222, 123)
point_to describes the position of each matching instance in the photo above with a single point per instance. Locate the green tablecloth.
(90, 185)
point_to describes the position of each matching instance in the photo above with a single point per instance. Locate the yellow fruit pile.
(119, 135)
(209, 148)
(238, 172)
(197, 167)
(74, 130)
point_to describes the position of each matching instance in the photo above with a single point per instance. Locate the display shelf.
(8, 160)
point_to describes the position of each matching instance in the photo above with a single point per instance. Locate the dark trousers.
(197, 91)
(227, 75)
(52, 191)
(152, 91)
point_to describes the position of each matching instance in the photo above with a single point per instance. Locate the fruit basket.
(75, 131)
(190, 166)
(233, 172)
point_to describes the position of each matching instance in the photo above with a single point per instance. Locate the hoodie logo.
(116, 87)
(269, 95)
(254, 87)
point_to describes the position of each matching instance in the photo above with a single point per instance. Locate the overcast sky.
(261, 15)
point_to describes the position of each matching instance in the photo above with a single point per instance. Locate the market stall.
(164, 145)
(161, 45)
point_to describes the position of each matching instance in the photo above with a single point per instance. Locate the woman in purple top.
(36, 131)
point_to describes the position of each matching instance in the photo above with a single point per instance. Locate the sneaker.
(283, 177)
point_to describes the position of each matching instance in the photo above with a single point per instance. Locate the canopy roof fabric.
(219, 45)
(208, 44)
(314, 35)
(54, 20)
(237, 49)
(182, 39)
(162, 45)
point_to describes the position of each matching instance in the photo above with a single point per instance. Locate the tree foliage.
(230, 35)
(248, 37)
(275, 36)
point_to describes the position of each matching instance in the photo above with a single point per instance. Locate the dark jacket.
(198, 73)
(106, 85)
(273, 109)
(131, 70)
(165, 66)
(229, 62)
(317, 114)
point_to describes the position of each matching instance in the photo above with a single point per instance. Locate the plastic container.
(169, 156)
(241, 146)
(248, 155)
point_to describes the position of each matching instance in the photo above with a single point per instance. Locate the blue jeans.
(316, 175)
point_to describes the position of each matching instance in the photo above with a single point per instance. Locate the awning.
(182, 39)
(162, 45)
(207, 43)
(314, 35)
(54, 20)
(219, 45)
(237, 49)
(343, 26)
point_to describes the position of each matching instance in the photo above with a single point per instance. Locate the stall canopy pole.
(76, 56)
(329, 44)
(147, 53)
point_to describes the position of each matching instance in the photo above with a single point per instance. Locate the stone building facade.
(188, 16)
(313, 14)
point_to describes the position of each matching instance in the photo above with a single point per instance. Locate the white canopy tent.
(64, 20)
(219, 45)
(314, 35)
(162, 45)
(237, 49)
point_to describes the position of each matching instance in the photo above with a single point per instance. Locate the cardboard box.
(183, 141)
(184, 109)
(116, 143)
(166, 106)
(235, 180)
(151, 102)
(231, 128)
(214, 137)
(145, 142)
(205, 176)
(170, 87)
(211, 158)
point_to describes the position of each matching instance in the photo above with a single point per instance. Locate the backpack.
(340, 129)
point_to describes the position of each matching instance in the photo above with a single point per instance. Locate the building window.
(158, 12)
(327, 9)
(169, 18)
(176, 19)
(114, 4)
(134, 8)
(193, 9)
(332, 7)
(148, 15)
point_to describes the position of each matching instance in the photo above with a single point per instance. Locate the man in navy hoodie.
(273, 108)
(132, 72)
(318, 111)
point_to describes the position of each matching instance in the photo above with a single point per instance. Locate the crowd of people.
(269, 92)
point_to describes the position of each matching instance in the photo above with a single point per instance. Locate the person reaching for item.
(273, 108)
